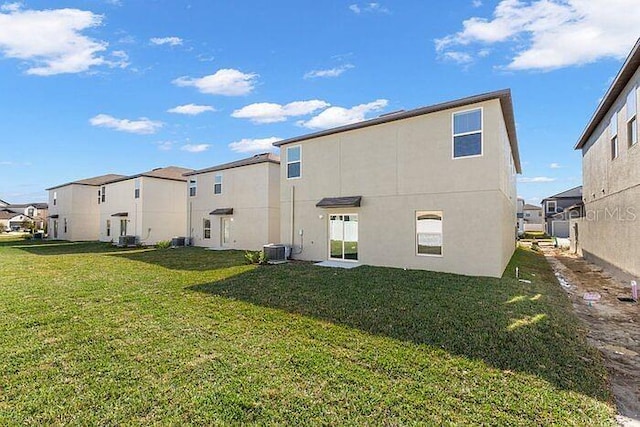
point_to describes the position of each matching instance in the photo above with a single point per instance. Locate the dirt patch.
(613, 326)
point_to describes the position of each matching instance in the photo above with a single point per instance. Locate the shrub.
(163, 244)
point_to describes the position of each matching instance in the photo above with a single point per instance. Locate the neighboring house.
(11, 220)
(37, 212)
(149, 206)
(533, 219)
(520, 214)
(609, 232)
(73, 209)
(3, 203)
(235, 205)
(397, 190)
(556, 214)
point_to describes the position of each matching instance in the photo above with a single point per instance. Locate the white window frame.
(415, 238)
(108, 228)
(55, 198)
(215, 183)
(136, 188)
(193, 184)
(613, 136)
(205, 228)
(65, 225)
(632, 121)
(555, 206)
(296, 161)
(453, 134)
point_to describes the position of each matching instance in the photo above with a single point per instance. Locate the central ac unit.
(177, 242)
(126, 241)
(276, 253)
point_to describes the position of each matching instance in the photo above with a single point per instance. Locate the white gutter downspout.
(293, 230)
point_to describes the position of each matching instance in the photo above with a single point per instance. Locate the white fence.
(534, 227)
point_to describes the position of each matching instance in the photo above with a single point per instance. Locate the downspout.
(190, 229)
(293, 229)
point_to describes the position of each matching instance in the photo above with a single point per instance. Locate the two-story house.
(73, 209)
(37, 212)
(235, 205)
(556, 212)
(397, 190)
(148, 206)
(609, 231)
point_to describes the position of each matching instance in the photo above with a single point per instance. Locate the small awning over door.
(121, 214)
(222, 211)
(56, 216)
(340, 202)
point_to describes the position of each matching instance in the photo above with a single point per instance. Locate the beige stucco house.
(149, 206)
(609, 231)
(398, 190)
(235, 205)
(73, 209)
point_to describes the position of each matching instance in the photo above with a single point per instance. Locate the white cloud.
(51, 41)
(191, 109)
(165, 145)
(476, 3)
(195, 148)
(536, 179)
(142, 126)
(338, 116)
(331, 72)
(555, 166)
(265, 112)
(254, 145)
(550, 34)
(368, 7)
(458, 57)
(171, 41)
(226, 81)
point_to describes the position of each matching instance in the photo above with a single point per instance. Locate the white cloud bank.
(171, 41)
(226, 81)
(52, 41)
(331, 72)
(369, 8)
(536, 179)
(339, 116)
(265, 112)
(191, 109)
(142, 126)
(549, 34)
(254, 145)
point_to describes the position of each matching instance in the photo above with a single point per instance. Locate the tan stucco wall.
(254, 194)
(611, 188)
(159, 214)
(401, 167)
(79, 205)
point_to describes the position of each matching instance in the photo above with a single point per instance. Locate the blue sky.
(122, 86)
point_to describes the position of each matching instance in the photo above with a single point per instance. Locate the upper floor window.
(217, 184)
(467, 133)
(613, 135)
(551, 206)
(294, 162)
(99, 193)
(55, 198)
(632, 122)
(136, 190)
(193, 185)
(31, 212)
(104, 194)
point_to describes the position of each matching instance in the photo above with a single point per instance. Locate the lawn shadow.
(186, 258)
(498, 321)
(62, 247)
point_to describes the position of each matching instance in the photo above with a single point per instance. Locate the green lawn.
(90, 334)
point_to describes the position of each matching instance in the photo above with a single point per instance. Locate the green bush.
(256, 257)
(163, 244)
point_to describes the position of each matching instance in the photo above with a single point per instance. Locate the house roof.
(174, 173)
(95, 181)
(532, 207)
(8, 214)
(629, 67)
(572, 193)
(505, 102)
(258, 158)
(26, 205)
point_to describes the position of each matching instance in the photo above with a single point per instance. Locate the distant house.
(609, 231)
(397, 190)
(37, 212)
(73, 209)
(533, 219)
(235, 205)
(556, 214)
(11, 220)
(148, 206)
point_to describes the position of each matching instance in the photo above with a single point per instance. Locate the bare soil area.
(613, 326)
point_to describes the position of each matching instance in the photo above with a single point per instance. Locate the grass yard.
(90, 334)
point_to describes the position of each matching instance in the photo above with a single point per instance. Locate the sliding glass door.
(343, 237)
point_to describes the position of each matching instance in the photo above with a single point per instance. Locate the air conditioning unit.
(277, 253)
(177, 242)
(126, 241)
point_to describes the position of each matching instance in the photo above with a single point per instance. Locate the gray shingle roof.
(572, 193)
(174, 173)
(254, 160)
(95, 181)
